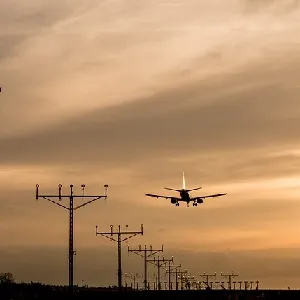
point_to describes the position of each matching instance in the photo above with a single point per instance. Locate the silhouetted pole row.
(119, 240)
(133, 277)
(257, 284)
(71, 209)
(180, 275)
(159, 263)
(146, 254)
(229, 276)
(207, 276)
(173, 270)
(169, 273)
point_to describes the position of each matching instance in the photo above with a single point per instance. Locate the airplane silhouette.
(185, 196)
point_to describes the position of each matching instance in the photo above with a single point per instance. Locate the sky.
(131, 94)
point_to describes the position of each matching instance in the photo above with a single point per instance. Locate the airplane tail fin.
(184, 185)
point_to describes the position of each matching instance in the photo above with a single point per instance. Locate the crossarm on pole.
(133, 234)
(55, 202)
(88, 202)
(105, 235)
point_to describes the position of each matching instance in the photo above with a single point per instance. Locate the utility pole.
(146, 254)
(159, 263)
(229, 276)
(119, 240)
(71, 209)
(207, 276)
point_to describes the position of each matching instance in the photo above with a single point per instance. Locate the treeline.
(10, 290)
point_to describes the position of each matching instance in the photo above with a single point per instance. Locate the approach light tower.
(159, 262)
(207, 276)
(173, 270)
(146, 254)
(71, 209)
(229, 276)
(119, 240)
(181, 275)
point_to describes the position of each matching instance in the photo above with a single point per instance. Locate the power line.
(71, 209)
(145, 255)
(119, 240)
(159, 263)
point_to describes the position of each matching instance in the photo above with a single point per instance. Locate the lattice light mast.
(146, 254)
(229, 277)
(119, 240)
(71, 209)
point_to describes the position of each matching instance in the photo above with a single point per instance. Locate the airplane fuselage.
(185, 196)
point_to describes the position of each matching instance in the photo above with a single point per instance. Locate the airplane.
(185, 196)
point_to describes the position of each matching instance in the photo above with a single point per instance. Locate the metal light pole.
(71, 209)
(146, 254)
(119, 240)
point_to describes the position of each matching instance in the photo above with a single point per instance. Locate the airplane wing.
(166, 197)
(208, 196)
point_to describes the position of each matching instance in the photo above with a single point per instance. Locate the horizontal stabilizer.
(195, 189)
(170, 189)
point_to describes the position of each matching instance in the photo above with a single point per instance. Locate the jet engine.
(199, 200)
(173, 201)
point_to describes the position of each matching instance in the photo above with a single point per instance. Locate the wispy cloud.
(70, 58)
(131, 94)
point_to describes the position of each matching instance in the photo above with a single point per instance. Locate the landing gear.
(195, 204)
(177, 204)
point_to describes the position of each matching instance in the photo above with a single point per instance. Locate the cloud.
(238, 117)
(133, 94)
(277, 7)
(78, 58)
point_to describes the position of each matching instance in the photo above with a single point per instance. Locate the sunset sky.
(132, 93)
